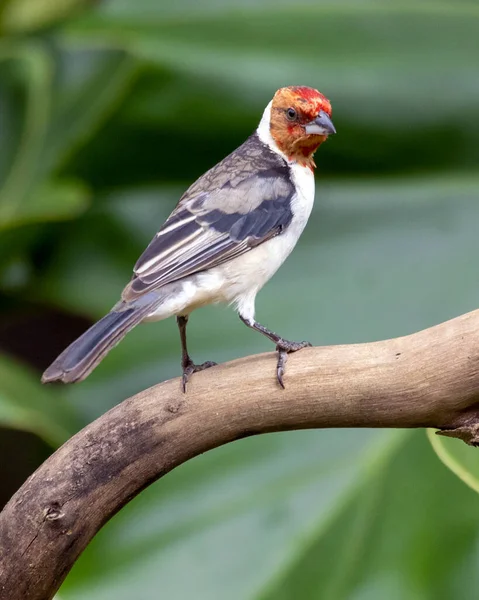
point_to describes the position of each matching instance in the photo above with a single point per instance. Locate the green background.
(108, 111)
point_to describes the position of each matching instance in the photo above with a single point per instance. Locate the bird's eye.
(291, 114)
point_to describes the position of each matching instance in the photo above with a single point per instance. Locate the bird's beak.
(322, 125)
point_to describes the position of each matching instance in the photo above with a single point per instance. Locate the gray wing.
(215, 222)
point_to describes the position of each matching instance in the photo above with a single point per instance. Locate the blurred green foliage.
(108, 110)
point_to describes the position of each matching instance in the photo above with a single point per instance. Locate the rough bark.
(428, 379)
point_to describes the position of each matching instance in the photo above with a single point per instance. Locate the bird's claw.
(288, 346)
(189, 368)
(283, 349)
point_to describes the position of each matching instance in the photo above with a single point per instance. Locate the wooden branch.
(429, 379)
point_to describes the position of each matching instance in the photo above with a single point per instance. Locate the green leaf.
(67, 94)
(399, 537)
(92, 80)
(25, 404)
(36, 70)
(28, 15)
(373, 55)
(463, 460)
(51, 201)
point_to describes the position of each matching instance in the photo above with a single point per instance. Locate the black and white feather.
(242, 202)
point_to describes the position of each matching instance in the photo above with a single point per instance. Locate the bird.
(229, 233)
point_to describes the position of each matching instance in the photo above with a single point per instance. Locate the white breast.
(303, 179)
(239, 280)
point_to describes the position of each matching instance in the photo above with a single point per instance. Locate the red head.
(300, 122)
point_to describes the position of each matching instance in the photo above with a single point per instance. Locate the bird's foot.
(284, 347)
(189, 368)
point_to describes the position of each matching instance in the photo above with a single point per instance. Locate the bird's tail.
(80, 358)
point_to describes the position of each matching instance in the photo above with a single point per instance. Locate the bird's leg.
(187, 364)
(284, 347)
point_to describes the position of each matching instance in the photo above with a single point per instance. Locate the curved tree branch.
(428, 379)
